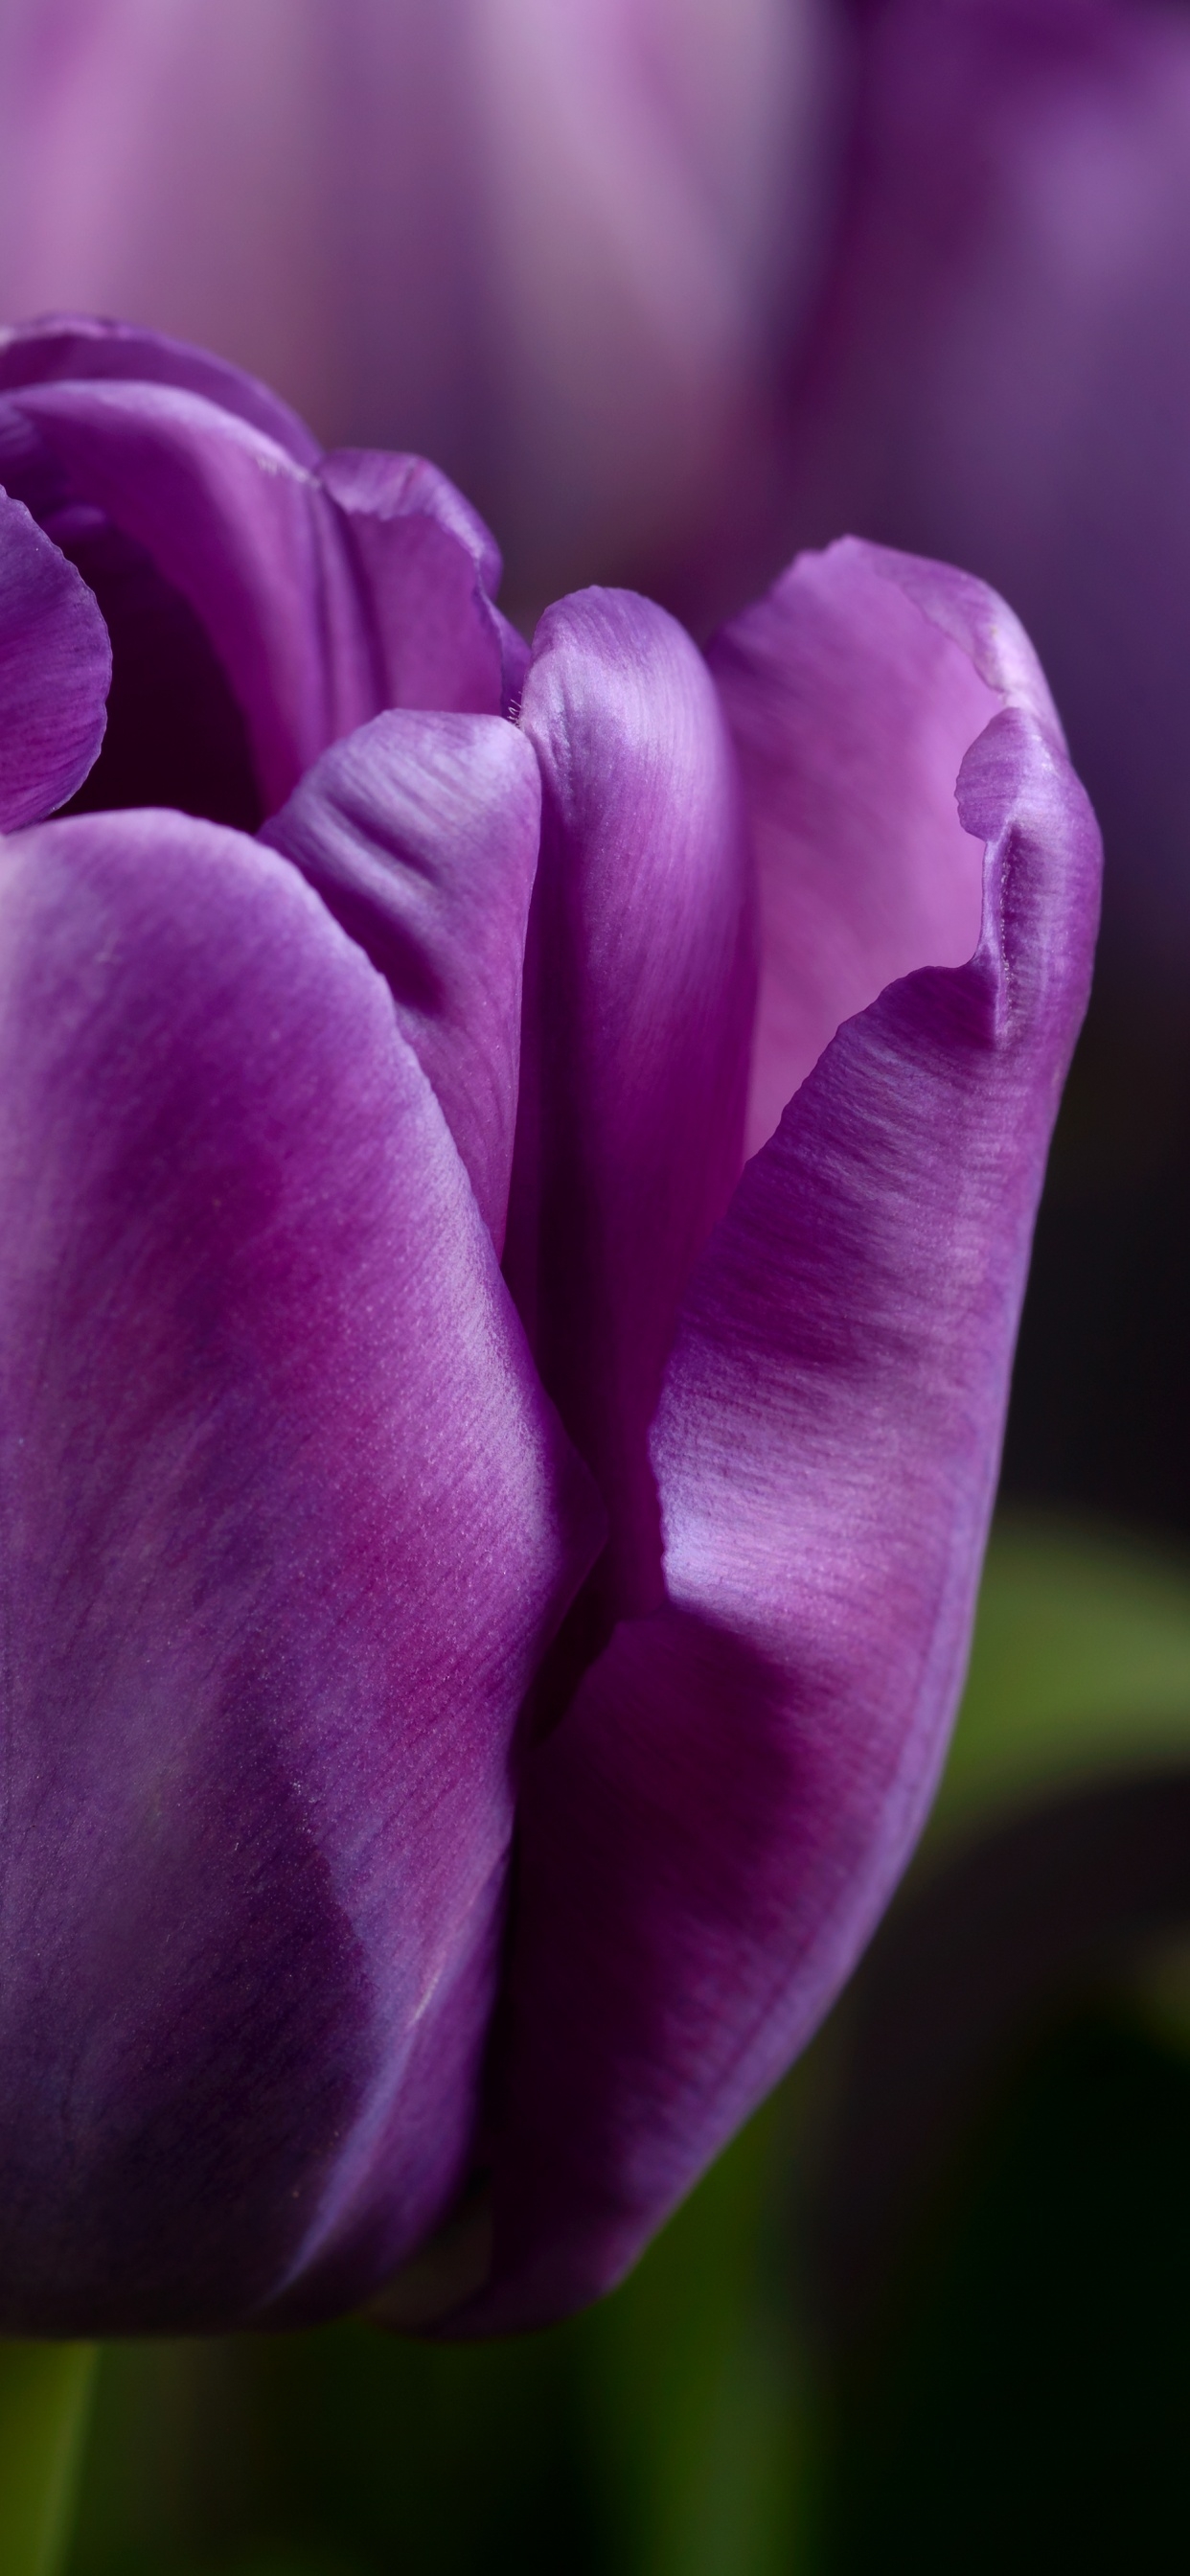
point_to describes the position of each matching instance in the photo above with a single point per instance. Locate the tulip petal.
(372, 484)
(639, 991)
(287, 1522)
(712, 1830)
(86, 347)
(420, 834)
(175, 735)
(288, 584)
(851, 714)
(237, 527)
(55, 667)
(430, 569)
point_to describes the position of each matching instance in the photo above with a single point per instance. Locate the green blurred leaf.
(698, 2388)
(45, 2391)
(663, 2433)
(1022, 2400)
(1080, 1665)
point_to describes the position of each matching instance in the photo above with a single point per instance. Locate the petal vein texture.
(286, 1525)
(55, 669)
(708, 1836)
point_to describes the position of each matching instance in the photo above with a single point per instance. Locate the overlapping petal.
(709, 1834)
(259, 549)
(639, 993)
(327, 593)
(231, 521)
(55, 667)
(420, 834)
(429, 570)
(551, 247)
(60, 348)
(851, 713)
(289, 1522)
(286, 1524)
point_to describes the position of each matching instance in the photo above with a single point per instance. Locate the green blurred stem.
(45, 2395)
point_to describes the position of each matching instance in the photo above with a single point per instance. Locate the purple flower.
(329, 1546)
(551, 246)
(1000, 370)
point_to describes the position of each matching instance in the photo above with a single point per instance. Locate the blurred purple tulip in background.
(676, 286)
(553, 248)
(998, 371)
(331, 1547)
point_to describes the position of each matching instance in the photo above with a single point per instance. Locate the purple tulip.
(329, 1547)
(554, 247)
(1000, 371)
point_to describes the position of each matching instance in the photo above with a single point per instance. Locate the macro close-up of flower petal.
(519, 1166)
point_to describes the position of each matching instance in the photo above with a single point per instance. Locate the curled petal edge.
(708, 1838)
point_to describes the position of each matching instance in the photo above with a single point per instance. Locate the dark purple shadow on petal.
(664, 1800)
(420, 835)
(55, 667)
(327, 594)
(709, 1836)
(160, 2155)
(245, 534)
(175, 735)
(286, 1525)
(638, 1008)
(439, 2070)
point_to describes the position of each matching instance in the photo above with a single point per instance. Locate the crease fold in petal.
(708, 1836)
(420, 834)
(638, 1008)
